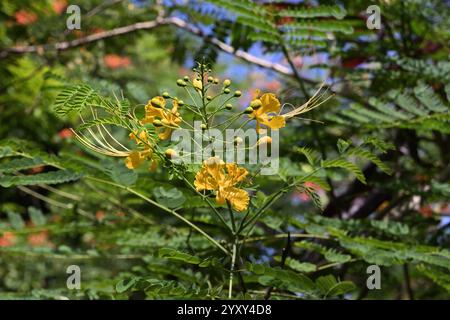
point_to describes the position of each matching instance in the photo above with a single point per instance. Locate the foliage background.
(390, 107)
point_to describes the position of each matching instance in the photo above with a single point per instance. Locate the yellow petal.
(270, 103)
(140, 138)
(165, 134)
(204, 181)
(238, 198)
(134, 160)
(153, 165)
(276, 122)
(197, 83)
(174, 107)
(235, 174)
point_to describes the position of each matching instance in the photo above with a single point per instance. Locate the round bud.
(209, 98)
(248, 110)
(264, 140)
(228, 106)
(210, 79)
(181, 83)
(166, 95)
(170, 153)
(226, 83)
(256, 104)
(238, 141)
(180, 103)
(237, 93)
(203, 126)
(157, 123)
(226, 91)
(157, 102)
(216, 80)
(186, 78)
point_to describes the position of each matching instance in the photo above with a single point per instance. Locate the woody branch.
(148, 25)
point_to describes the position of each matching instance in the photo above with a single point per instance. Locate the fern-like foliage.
(421, 109)
(297, 26)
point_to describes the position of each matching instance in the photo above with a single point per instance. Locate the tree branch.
(148, 25)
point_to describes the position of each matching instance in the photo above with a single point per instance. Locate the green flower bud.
(180, 103)
(170, 153)
(248, 110)
(157, 123)
(181, 83)
(156, 102)
(237, 93)
(226, 83)
(210, 79)
(226, 91)
(216, 80)
(256, 104)
(186, 78)
(228, 106)
(209, 98)
(203, 126)
(166, 94)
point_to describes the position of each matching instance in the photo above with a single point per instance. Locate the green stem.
(233, 262)
(233, 223)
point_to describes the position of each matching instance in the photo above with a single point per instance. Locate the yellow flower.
(155, 110)
(266, 112)
(222, 178)
(136, 158)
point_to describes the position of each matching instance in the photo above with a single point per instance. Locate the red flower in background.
(114, 61)
(59, 6)
(273, 86)
(353, 62)
(24, 17)
(312, 185)
(100, 215)
(39, 239)
(65, 133)
(7, 239)
(426, 211)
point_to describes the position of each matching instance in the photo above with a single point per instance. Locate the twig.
(407, 282)
(284, 254)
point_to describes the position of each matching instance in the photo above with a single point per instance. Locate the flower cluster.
(222, 179)
(210, 101)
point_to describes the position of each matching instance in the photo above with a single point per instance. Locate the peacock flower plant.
(211, 103)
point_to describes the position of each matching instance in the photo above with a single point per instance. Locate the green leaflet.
(177, 255)
(20, 164)
(53, 177)
(345, 164)
(330, 287)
